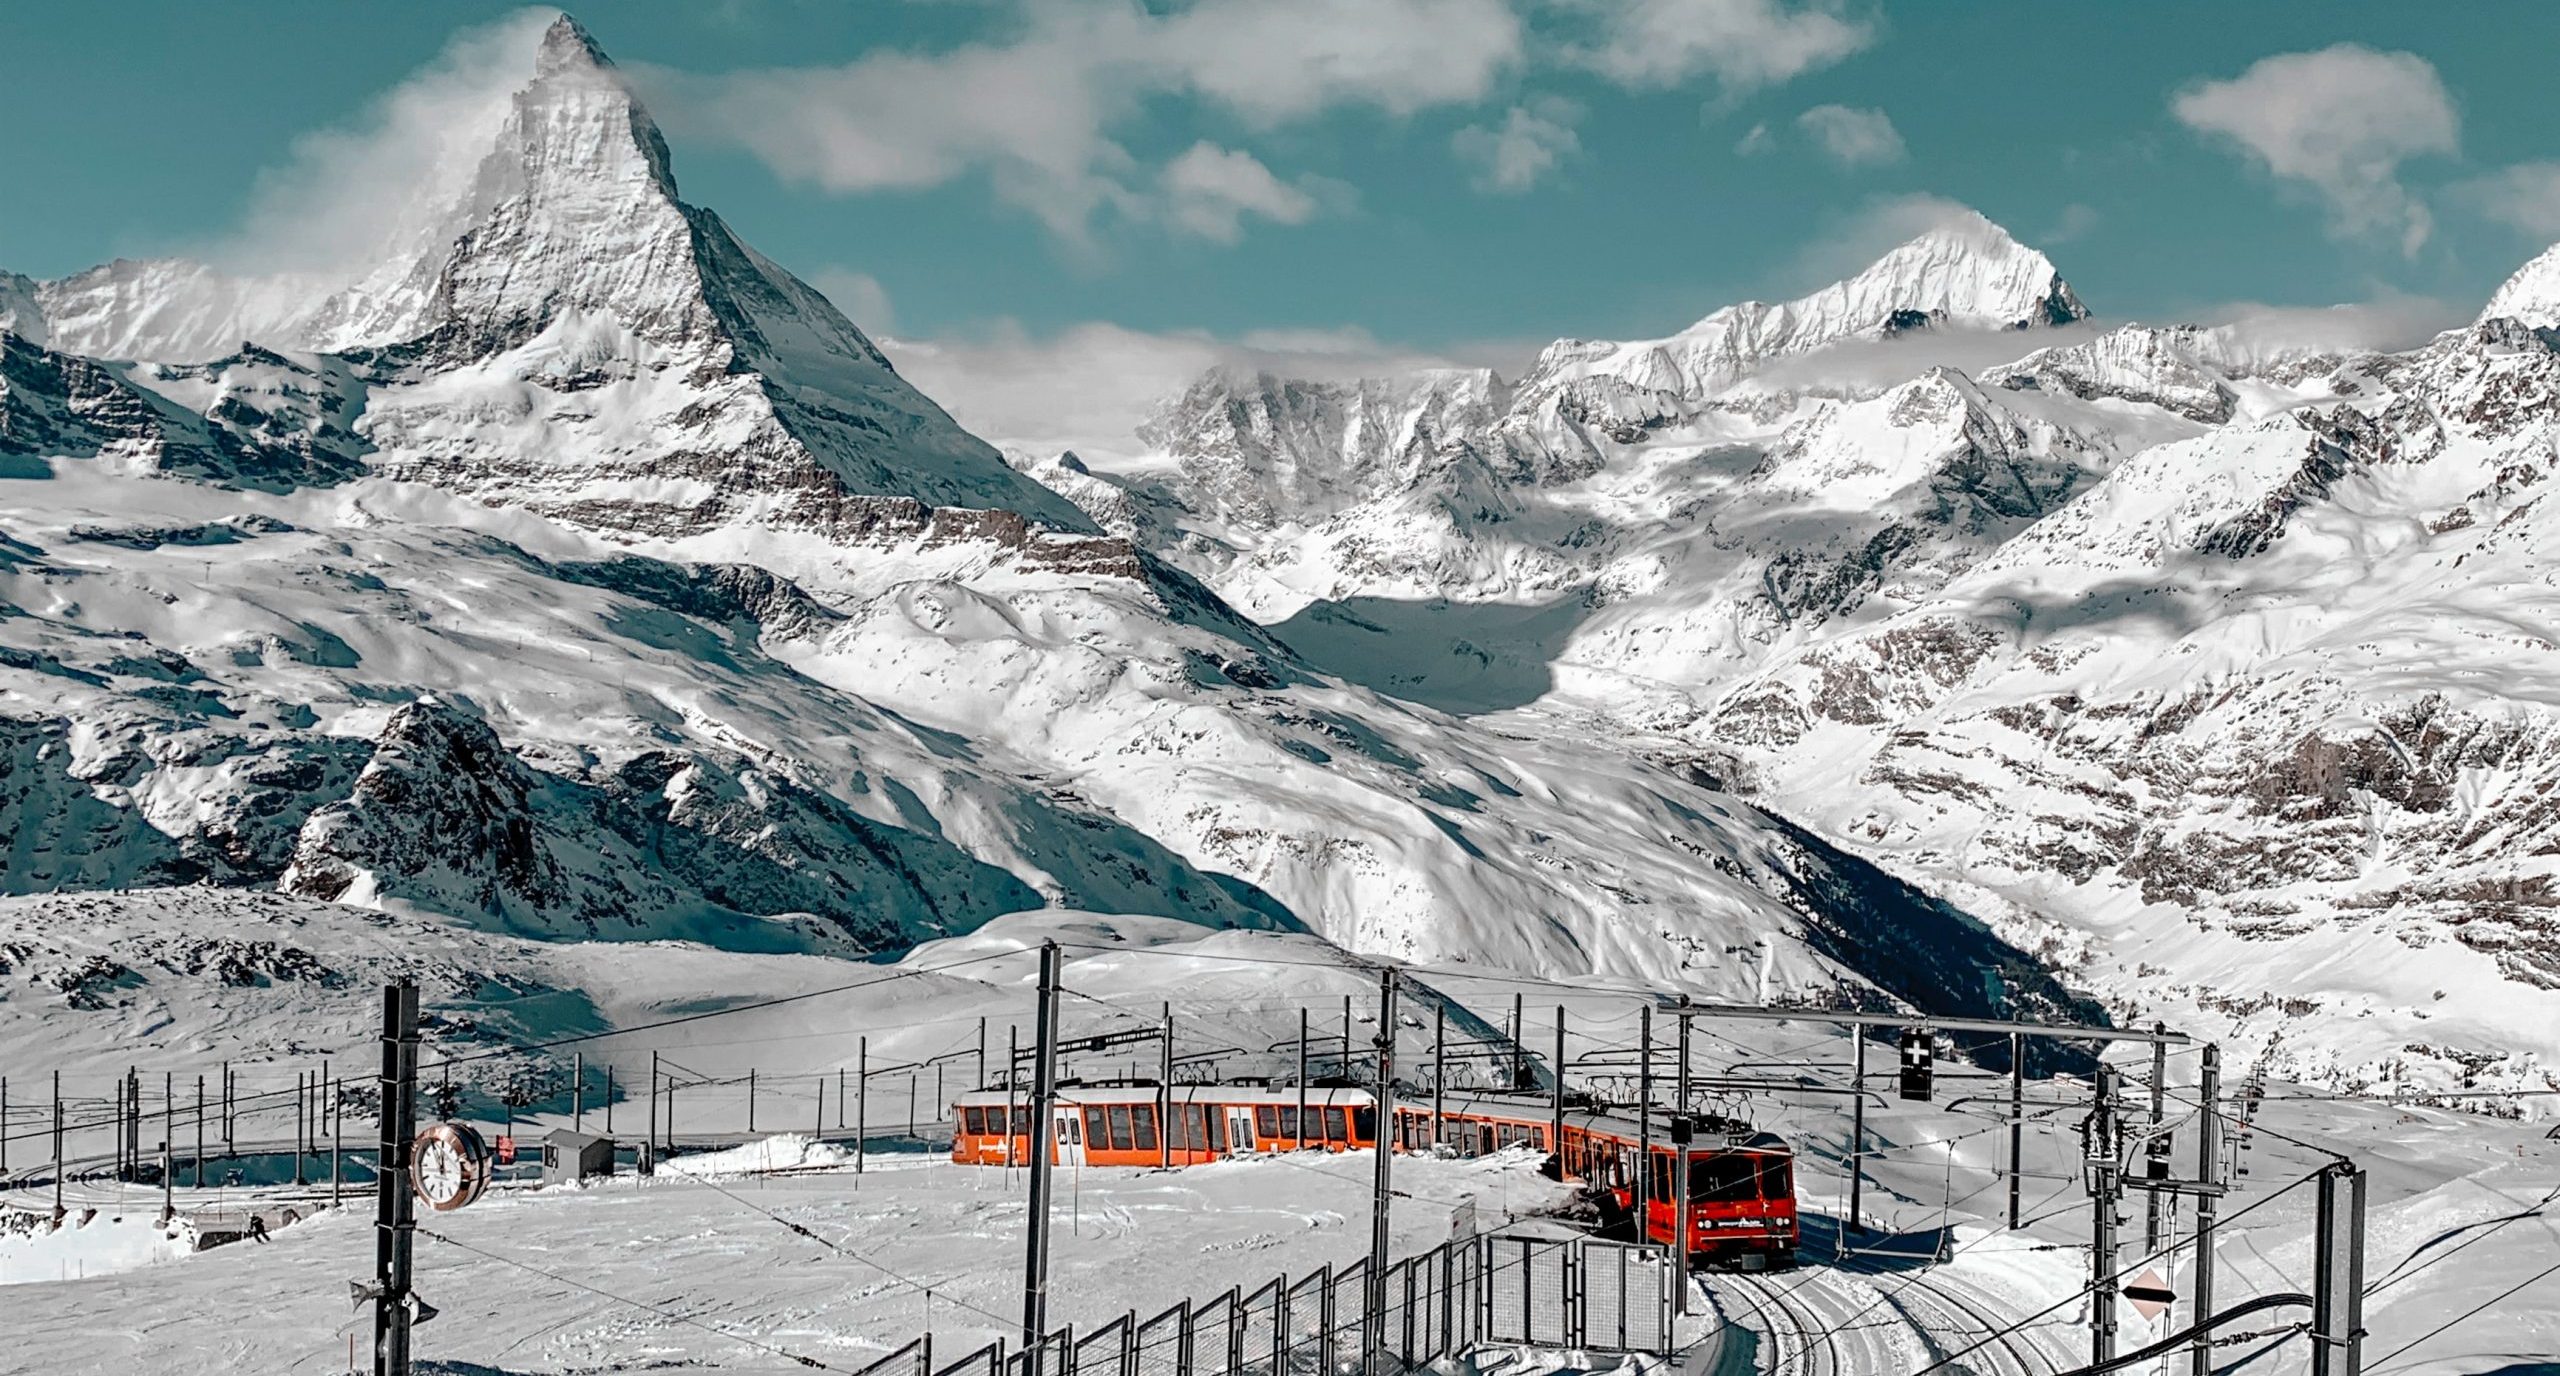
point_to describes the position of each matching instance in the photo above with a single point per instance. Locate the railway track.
(1963, 1322)
(1799, 1342)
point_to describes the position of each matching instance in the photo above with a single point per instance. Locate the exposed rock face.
(256, 417)
(445, 815)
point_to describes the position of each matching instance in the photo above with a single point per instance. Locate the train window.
(1724, 1178)
(1776, 1177)
(1097, 1129)
(1119, 1115)
(1335, 1128)
(1266, 1122)
(1143, 1125)
(1364, 1123)
(1658, 1174)
(1289, 1122)
(1184, 1127)
(1022, 1120)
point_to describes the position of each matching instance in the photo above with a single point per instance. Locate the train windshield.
(1734, 1177)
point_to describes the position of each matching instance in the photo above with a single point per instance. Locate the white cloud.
(1757, 142)
(1087, 387)
(1853, 138)
(1744, 44)
(1209, 191)
(1036, 112)
(1278, 60)
(1533, 140)
(2075, 221)
(2340, 121)
(371, 192)
(2526, 195)
(859, 295)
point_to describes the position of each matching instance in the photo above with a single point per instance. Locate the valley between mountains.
(579, 574)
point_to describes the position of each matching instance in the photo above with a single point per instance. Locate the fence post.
(1324, 1315)
(1235, 1330)
(1182, 1352)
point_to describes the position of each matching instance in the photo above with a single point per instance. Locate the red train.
(1741, 1181)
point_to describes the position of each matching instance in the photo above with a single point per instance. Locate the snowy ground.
(2459, 1204)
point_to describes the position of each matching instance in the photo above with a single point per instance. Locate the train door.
(1239, 1129)
(1066, 1127)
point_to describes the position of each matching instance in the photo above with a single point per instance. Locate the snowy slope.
(2153, 631)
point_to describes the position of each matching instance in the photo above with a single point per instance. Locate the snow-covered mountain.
(2197, 656)
(590, 576)
(570, 337)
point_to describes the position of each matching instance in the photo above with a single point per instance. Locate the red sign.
(506, 1151)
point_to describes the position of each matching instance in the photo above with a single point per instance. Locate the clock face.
(448, 1166)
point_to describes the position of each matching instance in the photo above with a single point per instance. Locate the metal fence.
(1577, 1293)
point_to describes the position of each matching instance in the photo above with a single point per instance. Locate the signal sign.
(2151, 1295)
(1919, 1061)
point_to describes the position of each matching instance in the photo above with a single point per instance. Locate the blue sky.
(1441, 175)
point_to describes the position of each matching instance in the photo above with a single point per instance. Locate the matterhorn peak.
(567, 46)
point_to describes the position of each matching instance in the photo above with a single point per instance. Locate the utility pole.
(2156, 1149)
(1857, 1124)
(1519, 1029)
(57, 1148)
(199, 1132)
(1298, 1133)
(1644, 1122)
(578, 1094)
(226, 1108)
(2209, 1174)
(301, 1103)
(337, 1144)
(1044, 1094)
(608, 1098)
(982, 1051)
(1373, 1314)
(818, 1125)
(2337, 1287)
(1344, 1070)
(649, 1164)
(394, 1214)
(751, 1101)
(1683, 1131)
(1555, 1126)
(2100, 1157)
(2018, 1130)
(1164, 1093)
(1439, 1066)
(861, 1101)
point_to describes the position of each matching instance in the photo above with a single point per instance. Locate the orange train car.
(1125, 1125)
(1742, 1204)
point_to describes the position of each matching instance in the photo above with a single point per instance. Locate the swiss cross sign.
(1919, 1059)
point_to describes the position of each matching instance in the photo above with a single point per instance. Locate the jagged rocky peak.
(2532, 295)
(1966, 271)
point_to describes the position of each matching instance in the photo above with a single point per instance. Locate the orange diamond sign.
(2151, 1295)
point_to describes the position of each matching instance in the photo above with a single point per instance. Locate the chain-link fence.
(1572, 1292)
